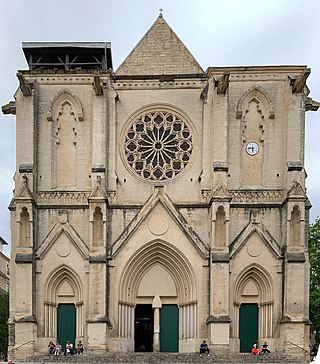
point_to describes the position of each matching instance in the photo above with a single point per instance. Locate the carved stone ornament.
(158, 145)
(257, 196)
(158, 224)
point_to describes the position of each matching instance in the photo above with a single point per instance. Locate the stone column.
(156, 305)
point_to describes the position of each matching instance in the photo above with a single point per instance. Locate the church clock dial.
(252, 148)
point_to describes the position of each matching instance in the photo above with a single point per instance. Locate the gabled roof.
(159, 196)
(159, 52)
(264, 235)
(66, 228)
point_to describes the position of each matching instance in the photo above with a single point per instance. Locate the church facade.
(160, 204)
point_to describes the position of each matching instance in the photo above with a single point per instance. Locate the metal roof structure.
(68, 55)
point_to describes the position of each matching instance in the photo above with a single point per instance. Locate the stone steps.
(166, 358)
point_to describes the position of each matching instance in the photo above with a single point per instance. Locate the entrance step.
(166, 358)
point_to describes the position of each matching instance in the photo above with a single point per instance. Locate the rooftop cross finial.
(161, 11)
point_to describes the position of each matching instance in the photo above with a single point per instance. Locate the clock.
(252, 148)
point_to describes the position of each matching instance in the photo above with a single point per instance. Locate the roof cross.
(161, 11)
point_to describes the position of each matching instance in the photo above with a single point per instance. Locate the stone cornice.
(256, 69)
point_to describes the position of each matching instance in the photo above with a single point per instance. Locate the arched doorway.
(63, 307)
(66, 323)
(253, 307)
(157, 290)
(248, 326)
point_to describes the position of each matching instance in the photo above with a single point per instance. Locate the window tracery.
(158, 145)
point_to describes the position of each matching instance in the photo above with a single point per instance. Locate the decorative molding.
(220, 167)
(256, 196)
(30, 318)
(223, 84)
(24, 192)
(206, 194)
(310, 104)
(9, 108)
(26, 168)
(259, 94)
(299, 83)
(204, 94)
(296, 257)
(218, 319)
(221, 192)
(63, 198)
(98, 169)
(111, 195)
(25, 86)
(23, 258)
(97, 85)
(296, 190)
(263, 234)
(159, 196)
(294, 166)
(98, 259)
(61, 97)
(220, 258)
(97, 192)
(72, 238)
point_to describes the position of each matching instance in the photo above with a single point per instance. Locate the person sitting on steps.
(57, 349)
(265, 349)
(79, 347)
(204, 348)
(255, 350)
(69, 348)
(51, 347)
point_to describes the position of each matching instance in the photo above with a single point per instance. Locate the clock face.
(252, 148)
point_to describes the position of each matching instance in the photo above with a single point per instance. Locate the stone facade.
(160, 200)
(4, 268)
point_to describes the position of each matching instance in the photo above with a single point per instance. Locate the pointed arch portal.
(63, 306)
(160, 277)
(253, 307)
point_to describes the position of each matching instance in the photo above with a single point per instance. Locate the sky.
(216, 32)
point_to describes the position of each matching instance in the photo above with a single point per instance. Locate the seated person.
(204, 348)
(57, 349)
(265, 349)
(79, 348)
(69, 348)
(51, 347)
(255, 349)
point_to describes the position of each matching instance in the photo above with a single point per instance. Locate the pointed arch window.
(220, 228)
(25, 227)
(65, 112)
(97, 227)
(295, 226)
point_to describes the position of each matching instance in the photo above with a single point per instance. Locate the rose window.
(158, 146)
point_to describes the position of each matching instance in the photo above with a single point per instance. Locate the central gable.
(159, 52)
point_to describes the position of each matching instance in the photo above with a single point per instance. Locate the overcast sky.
(217, 32)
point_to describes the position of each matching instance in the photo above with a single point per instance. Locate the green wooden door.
(169, 328)
(248, 326)
(66, 324)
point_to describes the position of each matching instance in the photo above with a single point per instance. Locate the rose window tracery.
(158, 145)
